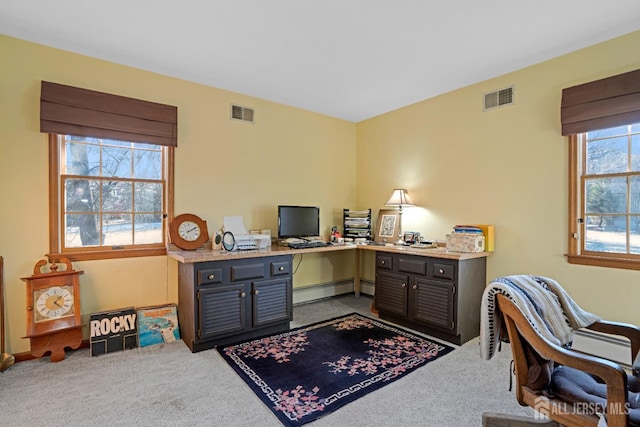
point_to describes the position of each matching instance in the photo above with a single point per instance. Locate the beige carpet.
(167, 385)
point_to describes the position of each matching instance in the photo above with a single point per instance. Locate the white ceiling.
(352, 59)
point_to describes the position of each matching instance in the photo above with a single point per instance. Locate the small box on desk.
(489, 236)
(465, 242)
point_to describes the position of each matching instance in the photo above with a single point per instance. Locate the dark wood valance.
(81, 112)
(613, 101)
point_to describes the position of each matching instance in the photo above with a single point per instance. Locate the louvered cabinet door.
(223, 310)
(433, 303)
(391, 293)
(437, 295)
(271, 301)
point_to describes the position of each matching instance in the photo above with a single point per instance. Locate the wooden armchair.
(522, 334)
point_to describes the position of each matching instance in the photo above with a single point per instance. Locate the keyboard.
(307, 245)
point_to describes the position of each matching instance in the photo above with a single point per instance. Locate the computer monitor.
(298, 221)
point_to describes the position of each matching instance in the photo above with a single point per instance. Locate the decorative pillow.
(572, 386)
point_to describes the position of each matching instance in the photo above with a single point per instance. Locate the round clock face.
(53, 303)
(189, 231)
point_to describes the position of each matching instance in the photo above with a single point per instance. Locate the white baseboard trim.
(367, 287)
(606, 346)
(327, 290)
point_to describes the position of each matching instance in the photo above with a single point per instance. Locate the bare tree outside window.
(113, 192)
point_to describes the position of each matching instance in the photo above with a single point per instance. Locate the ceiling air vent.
(498, 98)
(244, 114)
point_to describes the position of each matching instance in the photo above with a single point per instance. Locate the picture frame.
(411, 236)
(388, 226)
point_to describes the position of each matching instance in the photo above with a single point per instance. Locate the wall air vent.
(497, 98)
(244, 114)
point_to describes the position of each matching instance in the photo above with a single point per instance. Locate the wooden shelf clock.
(53, 310)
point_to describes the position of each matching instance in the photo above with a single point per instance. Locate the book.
(158, 324)
(113, 331)
(467, 229)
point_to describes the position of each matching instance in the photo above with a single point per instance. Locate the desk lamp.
(400, 198)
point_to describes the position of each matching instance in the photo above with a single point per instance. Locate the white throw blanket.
(542, 301)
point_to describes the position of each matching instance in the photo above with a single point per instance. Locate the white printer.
(243, 239)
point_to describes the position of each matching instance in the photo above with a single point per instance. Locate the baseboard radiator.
(614, 348)
(331, 289)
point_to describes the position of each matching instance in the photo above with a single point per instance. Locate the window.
(602, 120)
(110, 173)
(110, 197)
(607, 188)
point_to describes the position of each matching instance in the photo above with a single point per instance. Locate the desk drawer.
(247, 271)
(384, 262)
(415, 265)
(280, 268)
(444, 271)
(209, 276)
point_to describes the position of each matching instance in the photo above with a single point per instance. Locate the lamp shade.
(400, 197)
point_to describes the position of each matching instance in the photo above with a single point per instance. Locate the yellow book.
(489, 236)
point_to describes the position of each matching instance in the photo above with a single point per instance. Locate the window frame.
(56, 205)
(575, 254)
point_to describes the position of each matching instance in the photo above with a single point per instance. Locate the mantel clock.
(53, 310)
(188, 231)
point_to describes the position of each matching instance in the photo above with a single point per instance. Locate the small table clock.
(188, 231)
(53, 310)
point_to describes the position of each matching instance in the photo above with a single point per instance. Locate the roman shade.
(613, 101)
(70, 110)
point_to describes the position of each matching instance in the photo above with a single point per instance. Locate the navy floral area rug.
(313, 370)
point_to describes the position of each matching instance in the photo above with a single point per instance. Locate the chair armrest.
(629, 331)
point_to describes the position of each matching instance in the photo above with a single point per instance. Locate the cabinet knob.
(441, 271)
(242, 295)
(255, 292)
(404, 285)
(281, 269)
(211, 277)
(382, 262)
(415, 286)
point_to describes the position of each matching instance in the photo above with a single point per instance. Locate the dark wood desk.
(430, 290)
(232, 296)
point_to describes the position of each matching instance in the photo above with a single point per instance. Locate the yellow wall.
(289, 156)
(506, 167)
